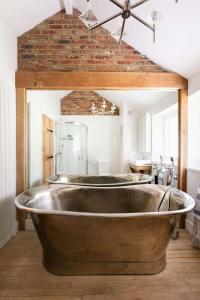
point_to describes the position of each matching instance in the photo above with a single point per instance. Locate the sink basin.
(140, 162)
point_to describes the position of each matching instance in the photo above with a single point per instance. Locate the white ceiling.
(177, 47)
(22, 15)
(139, 100)
(52, 94)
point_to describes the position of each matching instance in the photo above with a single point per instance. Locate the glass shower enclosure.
(71, 148)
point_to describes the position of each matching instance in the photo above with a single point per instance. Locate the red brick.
(63, 44)
(79, 103)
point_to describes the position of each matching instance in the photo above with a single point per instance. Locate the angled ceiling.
(177, 46)
(22, 15)
(141, 100)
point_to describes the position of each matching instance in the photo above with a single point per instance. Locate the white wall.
(169, 99)
(193, 131)
(103, 140)
(8, 66)
(194, 84)
(40, 102)
(193, 175)
(193, 181)
(157, 137)
(160, 113)
(129, 123)
(165, 133)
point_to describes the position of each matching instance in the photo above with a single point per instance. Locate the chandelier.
(126, 12)
(103, 110)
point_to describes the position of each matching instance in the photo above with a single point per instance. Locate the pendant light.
(88, 17)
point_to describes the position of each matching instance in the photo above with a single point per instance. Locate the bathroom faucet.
(166, 174)
(158, 171)
(173, 173)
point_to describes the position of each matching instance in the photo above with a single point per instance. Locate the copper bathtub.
(89, 230)
(102, 181)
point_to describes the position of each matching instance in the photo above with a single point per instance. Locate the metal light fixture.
(88, 17)
(103, 110)
(126, 11)
(116, 34)
(154, 17)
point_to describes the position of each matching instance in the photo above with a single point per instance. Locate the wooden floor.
(23, 277)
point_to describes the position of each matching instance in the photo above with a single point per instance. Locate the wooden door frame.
(97, 81)
(50, 130)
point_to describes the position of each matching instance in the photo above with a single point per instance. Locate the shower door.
(71, 149)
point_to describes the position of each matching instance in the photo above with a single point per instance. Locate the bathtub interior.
(122, 179)
(108, 200)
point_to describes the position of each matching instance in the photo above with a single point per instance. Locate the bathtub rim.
(189, 203)
(123, 184)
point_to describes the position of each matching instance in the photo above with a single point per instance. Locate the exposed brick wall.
(79, 103)
(61, 43)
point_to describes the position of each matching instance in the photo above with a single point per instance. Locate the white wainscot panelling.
(193, 180)
(7, 162)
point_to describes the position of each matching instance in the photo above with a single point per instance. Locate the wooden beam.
(99, 80)
(21, 150)
(68, 4)
(183, 138)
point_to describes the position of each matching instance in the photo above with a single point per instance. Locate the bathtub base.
(64, 268)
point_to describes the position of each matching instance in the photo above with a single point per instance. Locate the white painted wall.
(168, 100)
(8, 66)
(40, 102)
(129, 125)
(193, 181)
(157, 137)
(103, 140)
(160, 113)
(194, 84)
(193, 175)
(193, 131)
(165, 133)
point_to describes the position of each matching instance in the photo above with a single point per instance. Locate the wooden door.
(48, 147)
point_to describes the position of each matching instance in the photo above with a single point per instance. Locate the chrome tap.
(173, 173)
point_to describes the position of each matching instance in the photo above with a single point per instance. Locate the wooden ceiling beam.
(99, 80)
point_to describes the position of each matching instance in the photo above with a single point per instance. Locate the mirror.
(102, 132)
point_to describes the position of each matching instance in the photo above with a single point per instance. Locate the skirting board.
(5, 239)
(9, 235)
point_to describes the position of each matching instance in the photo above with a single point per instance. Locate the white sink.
(140, 162)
